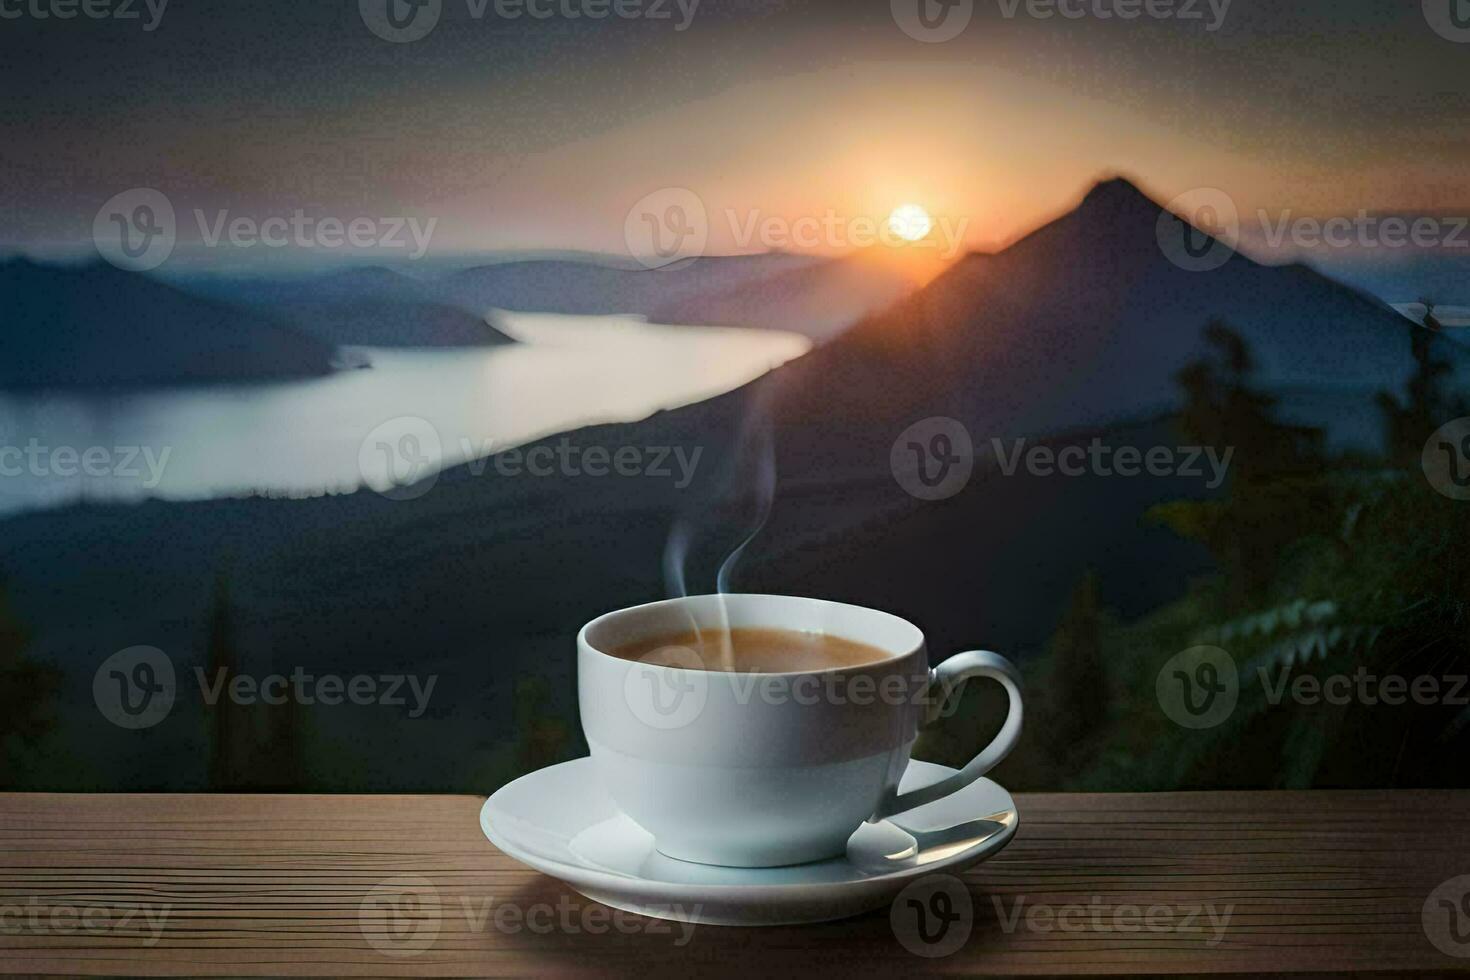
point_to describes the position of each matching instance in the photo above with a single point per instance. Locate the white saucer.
(560, 821)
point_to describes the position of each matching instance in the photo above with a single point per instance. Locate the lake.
(413, 412)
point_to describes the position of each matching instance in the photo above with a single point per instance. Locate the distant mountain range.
(95, 325)
(581, 287)
(1075, 332)
(818, 299)
(371, 306)
(380, 307)
(1441, 276)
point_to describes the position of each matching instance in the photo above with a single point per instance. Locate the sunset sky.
(541, 134)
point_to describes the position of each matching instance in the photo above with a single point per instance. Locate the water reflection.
(303, 438)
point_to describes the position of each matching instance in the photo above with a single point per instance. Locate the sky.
(521, 132)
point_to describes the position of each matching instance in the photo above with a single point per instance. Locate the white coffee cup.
(763, 769)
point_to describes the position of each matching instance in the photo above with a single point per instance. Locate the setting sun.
(910, 222)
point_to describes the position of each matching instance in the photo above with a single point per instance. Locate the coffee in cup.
(756, 730)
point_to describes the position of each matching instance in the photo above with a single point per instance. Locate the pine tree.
(1079, 689)
(26, 690)
(1425, 406)
(228, 736)
(1266, 507)
(1221, 409)
(255, 747)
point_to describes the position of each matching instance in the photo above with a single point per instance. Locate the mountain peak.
(1119, 195)
(24, 265)
(25, 272)
(365, 274)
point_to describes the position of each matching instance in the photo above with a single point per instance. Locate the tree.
(227, 723)
(1222, 409)
(252, 747)
(1270, 498)
(1425, 405)
(1385, 597)
(1078, 691)
(26, 690)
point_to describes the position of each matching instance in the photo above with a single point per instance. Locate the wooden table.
(395, 885)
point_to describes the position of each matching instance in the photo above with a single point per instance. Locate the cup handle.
(948, 677)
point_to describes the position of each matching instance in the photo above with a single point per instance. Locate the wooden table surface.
(399, 885)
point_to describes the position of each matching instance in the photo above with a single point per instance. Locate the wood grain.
(276, 885)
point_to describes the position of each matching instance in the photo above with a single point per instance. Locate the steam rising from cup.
(748, 488)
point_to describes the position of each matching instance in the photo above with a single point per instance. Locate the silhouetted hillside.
(1085, 322)
(819, 300)
(698, 292)
(370, 306)
(97, 325)
(377, 306)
